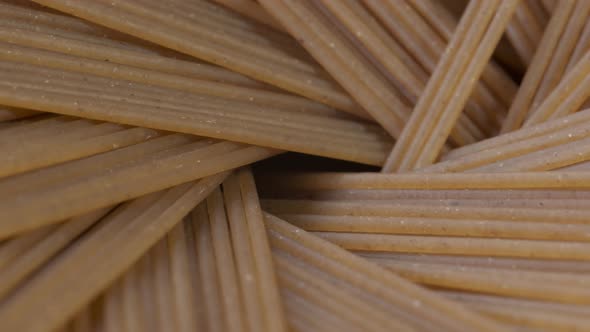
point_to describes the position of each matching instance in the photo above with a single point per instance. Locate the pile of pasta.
(294, 165)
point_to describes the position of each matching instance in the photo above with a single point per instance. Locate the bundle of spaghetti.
(51, 90)
(306, 22)
(409, 77)
(69, 189)
(537, 313)
(242, 232)
(361, 62)
(523, 144)
(109, 248)
(425, 28)
(160, 282)
(214, 271)
(49, 31)
(259, 97)
(561, 48)
(82, 47)
(220, 34)
(320, 263)
(50, 140)
(567, 97)
(450, 85)
(127, 128)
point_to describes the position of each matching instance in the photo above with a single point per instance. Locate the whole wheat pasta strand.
(460, 246)
(119, 251)
(181, 251)
(342, 180)
(441, 227)
(397, 209)
(209, 281)
(275, 320)
(562, 155)
(515, 264)
(311, 86)
(545, 286)
(539, 63)
(161, 285)
(328, 251)
(522, 197)
(435, 135)
(234, 263)
(503, 196)
(511, 201)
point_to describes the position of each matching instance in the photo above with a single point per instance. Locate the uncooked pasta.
(294, 165)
